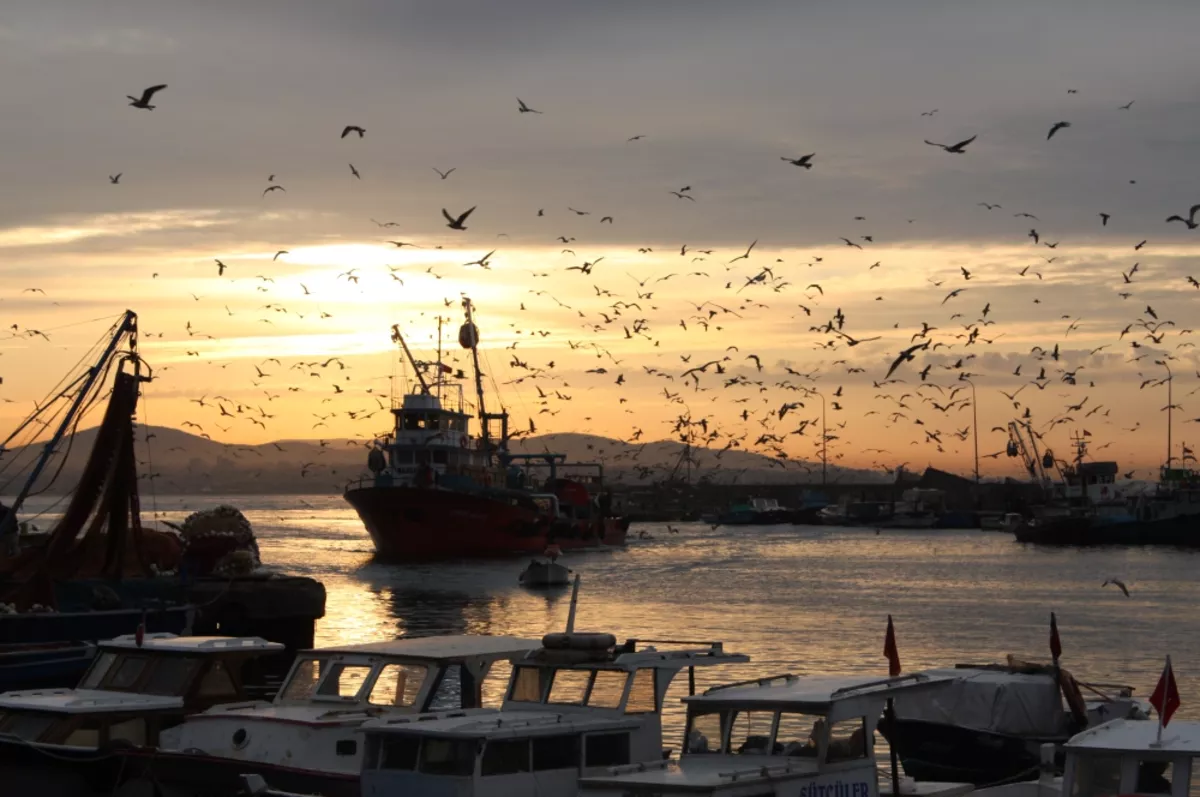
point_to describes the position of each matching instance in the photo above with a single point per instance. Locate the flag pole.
(1167, 676)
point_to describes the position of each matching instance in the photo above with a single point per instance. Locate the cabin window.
(1154, 777)
(505, 757)
(129, 669)
(796, 734)
(399, 752)
(398, 685)
(750, 733)
(607, 689)
(495, 683)
(454, 757)
(26, 726)
(555, 752)
(170, 676)
(641, 694)
(449, 692)
(217, 682)
(569, 687)
(847, 740)
(1096, 776)
(87, 734)
(607, 750)
(527, 686)
(132, 731)
(303, 683)
(704, 734)
(97, 671)
(344, 681)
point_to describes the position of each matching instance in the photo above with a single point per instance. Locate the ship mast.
(469, 337)
(399, 338)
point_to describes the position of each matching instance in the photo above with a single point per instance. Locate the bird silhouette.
(957, 149)
(456, 222)
(147, 95)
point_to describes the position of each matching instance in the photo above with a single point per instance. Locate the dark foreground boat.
(988, 726)
(438, 491)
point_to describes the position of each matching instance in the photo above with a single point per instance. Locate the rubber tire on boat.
(578, 641)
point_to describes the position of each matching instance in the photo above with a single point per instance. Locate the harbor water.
(795, 598)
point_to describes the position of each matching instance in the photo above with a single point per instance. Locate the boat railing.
(768, 680)
(915, 678)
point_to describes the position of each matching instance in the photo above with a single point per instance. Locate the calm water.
(796, 599)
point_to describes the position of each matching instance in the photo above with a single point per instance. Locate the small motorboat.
(545, 573)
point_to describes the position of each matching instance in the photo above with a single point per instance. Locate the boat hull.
(56, 771)
(951, 753)
(1182, 530)
(425, 524)
(179, 774)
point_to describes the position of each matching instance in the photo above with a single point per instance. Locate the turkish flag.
(1055, 642)
(1166, 695)
(890, 650)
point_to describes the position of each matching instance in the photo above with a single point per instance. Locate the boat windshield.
(379, 683)
(591, 688)
(143, 674)
(775, 733)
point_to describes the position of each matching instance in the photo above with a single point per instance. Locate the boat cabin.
(1123, 757)
(329, 692)
(790, 736)
(203, 671)
(85, 718)
(577, 706)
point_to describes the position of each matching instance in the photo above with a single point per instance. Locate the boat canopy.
(997, 700)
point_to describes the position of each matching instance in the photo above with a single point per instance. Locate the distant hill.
(184, 463)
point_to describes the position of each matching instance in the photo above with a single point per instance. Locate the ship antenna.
(439, 359)
(399, 338)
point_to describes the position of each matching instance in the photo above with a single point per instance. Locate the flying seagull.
(355, 171)
(115, 178)
(1056, 127)
(280, 252)
(457, 223)
(275, 187)
(147, 95)
(483, 261)
(803, 160)
(906, 356)
(523, 108)
(1120, 585)
(444, 174)
(348, 129)
(957, 149)
(1190, 221)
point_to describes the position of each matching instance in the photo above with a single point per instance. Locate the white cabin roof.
(493, 723)
(441, 648)
(87, 701)
(1139, 736)
(811, 692)
(191, 644)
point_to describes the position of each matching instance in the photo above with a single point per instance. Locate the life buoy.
(462, 441)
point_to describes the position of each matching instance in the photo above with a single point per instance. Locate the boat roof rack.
(171, 643)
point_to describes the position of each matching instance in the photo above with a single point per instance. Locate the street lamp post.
(824, 440)
(1170, 407)
(974, 424)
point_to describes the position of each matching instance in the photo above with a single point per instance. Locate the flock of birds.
(731, 401)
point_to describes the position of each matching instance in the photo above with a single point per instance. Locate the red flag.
(1055, 642)
(890, 650)
(1166, 695)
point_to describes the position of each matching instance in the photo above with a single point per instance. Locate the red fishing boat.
(439, 491)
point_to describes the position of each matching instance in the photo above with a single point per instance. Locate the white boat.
(1119, 757)
(305, 739)
(576, 707)
(790, 736)
(76, 741)
(542, 573)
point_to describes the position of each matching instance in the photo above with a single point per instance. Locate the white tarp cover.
(990, 700)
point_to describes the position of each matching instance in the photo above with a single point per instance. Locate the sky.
(716, 96)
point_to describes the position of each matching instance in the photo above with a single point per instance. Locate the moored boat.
(439, 491)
